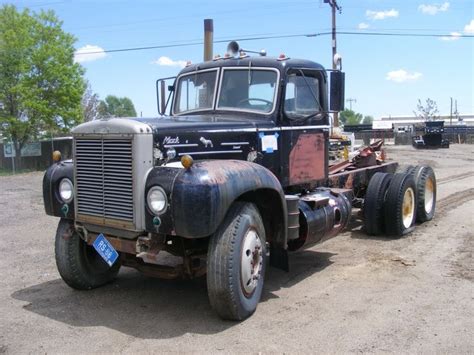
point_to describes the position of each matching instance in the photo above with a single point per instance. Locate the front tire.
(79, 265)
(236, 263)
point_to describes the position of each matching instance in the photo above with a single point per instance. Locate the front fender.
(202, 195)
(52, 177)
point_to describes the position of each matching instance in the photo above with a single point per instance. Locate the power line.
(259, 38)
(201, 42)
(437, 35)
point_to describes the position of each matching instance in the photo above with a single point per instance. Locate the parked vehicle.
(433, 137)
(234, 178)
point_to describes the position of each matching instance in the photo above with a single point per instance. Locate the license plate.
(105, 249)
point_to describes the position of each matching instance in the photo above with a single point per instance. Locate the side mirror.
(161, 100)
(162, 108)
(337, 91)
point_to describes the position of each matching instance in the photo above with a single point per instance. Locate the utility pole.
(451, 113)
(350, 101)
(334, 7)
(456, 113)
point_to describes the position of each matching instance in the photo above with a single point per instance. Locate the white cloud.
(469, 28)
(363, 26)
(89, 53)
(401, 75)
(454, 36)
(433, 9)
(381, 15)
(168, 62)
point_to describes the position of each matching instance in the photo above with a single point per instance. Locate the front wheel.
(236, 263)
(79, 265)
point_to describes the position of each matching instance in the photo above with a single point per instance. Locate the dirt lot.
(351, 294)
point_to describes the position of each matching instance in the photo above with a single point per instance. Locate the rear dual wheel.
(390, 204)
(400, 205)
(374, 203)
(425, 181)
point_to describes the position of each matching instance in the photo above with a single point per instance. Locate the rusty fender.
(201, 196)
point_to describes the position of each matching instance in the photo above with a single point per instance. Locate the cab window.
(196, 91)
(302, 94)
(248, 90)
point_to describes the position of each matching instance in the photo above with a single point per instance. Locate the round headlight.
(156, 199)
(66, 190)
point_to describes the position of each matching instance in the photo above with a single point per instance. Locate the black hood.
(198, 123)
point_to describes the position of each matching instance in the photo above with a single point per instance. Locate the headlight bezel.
(149, 202)
(60, 190)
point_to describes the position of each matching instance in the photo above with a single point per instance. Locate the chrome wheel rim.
(251, 262)
(408, 207)
(429, 195)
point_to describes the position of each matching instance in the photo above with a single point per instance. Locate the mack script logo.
(170, 140)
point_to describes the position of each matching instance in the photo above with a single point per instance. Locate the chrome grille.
(104, 178)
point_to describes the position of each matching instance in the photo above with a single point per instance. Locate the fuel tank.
(323, 214)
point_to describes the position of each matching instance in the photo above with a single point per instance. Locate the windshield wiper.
(311, 90)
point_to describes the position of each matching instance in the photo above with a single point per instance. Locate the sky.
(385, 75)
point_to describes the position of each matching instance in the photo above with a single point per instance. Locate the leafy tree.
(90, 104)
(114, 106)
(428, 111)
(367, 120)
(349, 117)
(40, 85)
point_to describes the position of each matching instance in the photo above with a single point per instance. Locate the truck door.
(304, 143)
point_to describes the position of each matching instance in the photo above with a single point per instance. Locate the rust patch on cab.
(307, 159)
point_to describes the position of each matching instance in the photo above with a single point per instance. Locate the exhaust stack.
(208, 39)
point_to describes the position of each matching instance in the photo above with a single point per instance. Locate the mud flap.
(279, 258)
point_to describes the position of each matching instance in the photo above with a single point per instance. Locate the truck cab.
(231, 176)
(263, 103)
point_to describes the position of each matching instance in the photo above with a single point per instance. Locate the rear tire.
(425, 181)
(236, 263)
(400, 205)
(405, 169)
(374, 203)
(79, 265)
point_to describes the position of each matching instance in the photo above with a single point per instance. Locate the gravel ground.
(351, 294)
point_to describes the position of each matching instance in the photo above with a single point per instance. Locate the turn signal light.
(187, 161)
(56, 156)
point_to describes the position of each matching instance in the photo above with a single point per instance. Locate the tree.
(367, 120)
(427, 112)
(40, 85)
(114, 106)
(90, 104)
(349, 117)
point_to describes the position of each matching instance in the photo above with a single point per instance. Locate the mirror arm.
(162, 98)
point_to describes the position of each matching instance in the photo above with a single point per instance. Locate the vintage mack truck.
(233, 178)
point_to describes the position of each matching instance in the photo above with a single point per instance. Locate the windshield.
(302, 95)
(248, 90)
(196, 91)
